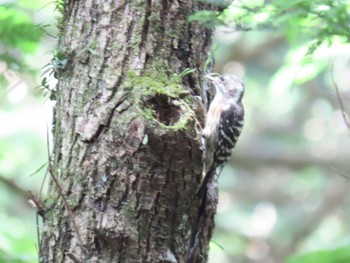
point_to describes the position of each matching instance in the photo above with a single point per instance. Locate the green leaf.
(17, 29)
(38, 170)
(210, 57)
(207, 18)
(221, 3)
(337, 255)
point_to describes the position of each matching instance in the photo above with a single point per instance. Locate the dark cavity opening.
(164, 110)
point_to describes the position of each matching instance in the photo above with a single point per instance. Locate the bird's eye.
(222, 78)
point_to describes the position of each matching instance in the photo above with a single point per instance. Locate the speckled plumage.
(224, 122)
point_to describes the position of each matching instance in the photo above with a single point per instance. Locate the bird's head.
(228, 86)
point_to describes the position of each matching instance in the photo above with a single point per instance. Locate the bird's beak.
(210, 77)
(215, 80)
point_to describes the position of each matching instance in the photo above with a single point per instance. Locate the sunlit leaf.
(337, 255)
(17, 30)
(207, 18)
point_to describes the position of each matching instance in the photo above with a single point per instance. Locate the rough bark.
(126, 146)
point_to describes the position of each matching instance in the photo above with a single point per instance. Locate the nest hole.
(164, 109)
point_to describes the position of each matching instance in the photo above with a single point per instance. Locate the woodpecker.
(224, 122)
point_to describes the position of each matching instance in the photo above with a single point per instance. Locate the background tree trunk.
(126, 146)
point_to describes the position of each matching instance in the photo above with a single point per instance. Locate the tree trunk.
(126, 154)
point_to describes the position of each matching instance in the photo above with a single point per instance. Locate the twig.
(70, 212)
(36, 203)
(13, 186)
(60, 190)
(342, 108)
(346, 176)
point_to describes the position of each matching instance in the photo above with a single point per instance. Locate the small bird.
(224, 123)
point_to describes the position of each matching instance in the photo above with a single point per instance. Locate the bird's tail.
(210, 175)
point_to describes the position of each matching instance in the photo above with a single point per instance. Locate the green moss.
(147, 113)
(60, 6)
(59, 18)
(161, 97)
(116, 45)
(154, 83)
(156, 80)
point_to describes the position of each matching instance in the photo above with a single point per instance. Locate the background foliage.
(283, 196)
(24, 119)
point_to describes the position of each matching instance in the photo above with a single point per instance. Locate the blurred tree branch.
(268, 153)
(14, 187)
